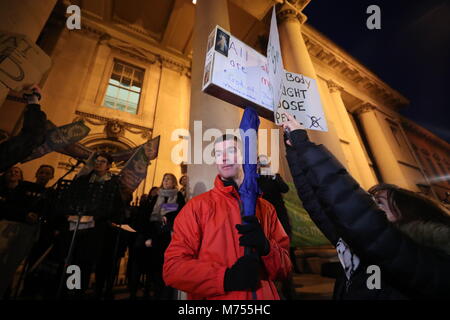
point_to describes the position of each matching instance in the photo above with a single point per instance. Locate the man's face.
(44, 175)
(227, 159)
(13, 175)
(101, 165)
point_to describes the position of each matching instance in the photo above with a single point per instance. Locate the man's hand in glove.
(253, 235)
(243, 275)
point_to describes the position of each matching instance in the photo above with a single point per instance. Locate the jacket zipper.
(241, 209)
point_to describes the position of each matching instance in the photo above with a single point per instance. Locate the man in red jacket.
(206, 255)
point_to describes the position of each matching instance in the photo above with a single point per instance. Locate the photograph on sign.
(242, 77)
(207, 73)
(210, 41)
(300, 98)
(238, 75)
(209, 60)
(222, 42)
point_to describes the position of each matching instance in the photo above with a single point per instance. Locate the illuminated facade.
(134, 70)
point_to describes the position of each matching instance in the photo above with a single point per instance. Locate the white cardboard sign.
(238, 74)
(300, 98)
(275, 61)
(22, 62)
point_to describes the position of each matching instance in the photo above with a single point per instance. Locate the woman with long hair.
(423, 220)
(394, 231)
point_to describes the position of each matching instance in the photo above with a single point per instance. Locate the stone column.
(26, 17)
(213, 112)
(365, 174)
(297, 59)
(382, 151)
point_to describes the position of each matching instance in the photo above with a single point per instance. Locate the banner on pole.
(135, 170)
(58, 138)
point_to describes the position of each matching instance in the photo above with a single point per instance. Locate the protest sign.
(22, 62)
(275, 61)
(238, 74)
(300, 98)
(293, 93)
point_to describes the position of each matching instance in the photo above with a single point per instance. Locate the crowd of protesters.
(78, 222)
(37, 233)
(206, 246)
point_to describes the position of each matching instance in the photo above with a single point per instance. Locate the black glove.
(243, 275)
(296, 137)
(253, 235)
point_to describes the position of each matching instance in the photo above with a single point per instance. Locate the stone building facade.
(133, 71)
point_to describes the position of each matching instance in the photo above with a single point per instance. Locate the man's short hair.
(226, 137)
(105, 155)
(47, 166)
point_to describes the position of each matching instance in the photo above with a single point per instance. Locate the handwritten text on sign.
(300, 97)
(236, 73)
(239, 69)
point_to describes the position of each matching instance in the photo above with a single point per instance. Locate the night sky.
(411, 52)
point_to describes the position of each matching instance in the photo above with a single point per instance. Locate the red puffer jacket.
(205, 242)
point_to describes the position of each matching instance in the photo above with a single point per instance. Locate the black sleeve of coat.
(180, 200)
(18, 148)
(141, 221)
(407, 266)
(118, 212)
(305, 191)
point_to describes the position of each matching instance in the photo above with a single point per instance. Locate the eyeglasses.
(100, 161)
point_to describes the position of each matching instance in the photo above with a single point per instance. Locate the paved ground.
(313, 287)
(307, 287)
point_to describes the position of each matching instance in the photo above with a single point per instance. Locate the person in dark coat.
(103, 204)
(363, 235)
(19, 217)
(273, 187)
(40, 280)
(139, 246)
(159, 213)
(184, 189)
(32, 134)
